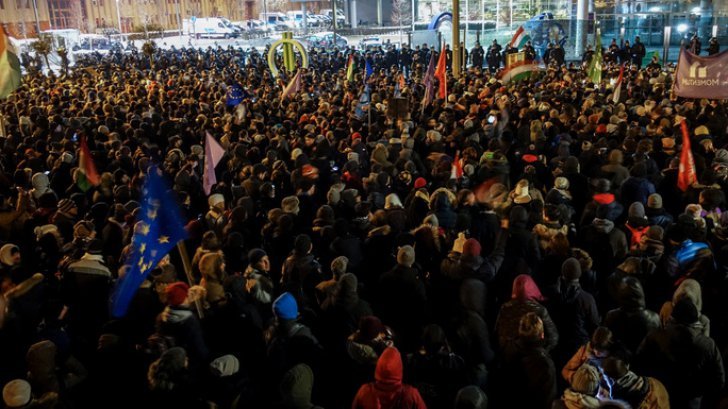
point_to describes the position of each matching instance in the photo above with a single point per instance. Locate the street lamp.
(118, 16)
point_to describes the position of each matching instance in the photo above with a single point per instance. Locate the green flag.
(595, 65)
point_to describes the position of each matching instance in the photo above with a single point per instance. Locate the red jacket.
(388, 391)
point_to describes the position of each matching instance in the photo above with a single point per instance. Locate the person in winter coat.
(522, 252)
(573, 310)
(636, 226)
(367, 343)
(606, 244)
(641, 392)
(471, 397)
(470, 337)
(434, 369)
(602, 196)
(295, 389)
(212, 268)
(401, 299)
(688, 289)
(169, 381)
(529, 373)
(525, 298)
(614, 171)
(592, 353)
(387, 391)
(631, 322)
(550, 226)
(656, 214)
(302, 272)
(258, 282)
(441, 205)
(396, 215)
(178, 322)
(583, 392)
(687, 362)
(637, 188)
(289, 342)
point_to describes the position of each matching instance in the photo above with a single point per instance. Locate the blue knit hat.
(285, 307)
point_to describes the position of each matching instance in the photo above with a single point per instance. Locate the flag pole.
(187, 265)
(2, 125)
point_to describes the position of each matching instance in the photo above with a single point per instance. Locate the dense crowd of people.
(513, 245)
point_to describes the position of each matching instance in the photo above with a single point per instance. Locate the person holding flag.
(441, 74)
(159, 230)
(594, 70)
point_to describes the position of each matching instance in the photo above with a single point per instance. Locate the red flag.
(88, 176)
(456, 171)
(440, 74)
(686, 173)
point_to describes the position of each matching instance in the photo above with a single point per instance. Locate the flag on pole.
(595, 65)
(518, 68)
(234, 95)
(441, 74)
(88, 176)
(686, 175)
(350, 68)
(293, 87)
(520, 38)
(618, 85)
(429, 82)
(369, 69)
(159, 230)
(363, 102)
(699, 76)
(456, 172)
(10, 75)
(213, 155)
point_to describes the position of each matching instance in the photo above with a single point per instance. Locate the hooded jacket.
(631, 322)
(606, 244)
(691, 290)
(295, 388)
(387, 391)
(641, 392)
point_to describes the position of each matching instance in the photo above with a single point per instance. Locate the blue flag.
(234, 95)
(363, 101)
(158, 231)
(369, 69)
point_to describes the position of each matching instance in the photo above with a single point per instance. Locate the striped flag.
(88, 176)
(686, 172)
(518, 68)
(429, 82)
(595, 65)
(618, 86)
(441, 74)
(520, 38)
(350, 68)
(293, 87)
(9, 65)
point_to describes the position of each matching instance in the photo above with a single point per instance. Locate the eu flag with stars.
(160, 228)
(234, 95)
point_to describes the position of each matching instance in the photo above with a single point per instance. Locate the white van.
(278, 20)
(209, 27)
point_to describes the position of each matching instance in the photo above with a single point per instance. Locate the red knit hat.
(420, 183)
(471, 248)
(355, 135)
(176, 293)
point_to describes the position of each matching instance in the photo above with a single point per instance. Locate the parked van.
(278, 20)
(210, 27)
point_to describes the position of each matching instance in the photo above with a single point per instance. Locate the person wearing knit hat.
(471, 397)
(17, 394)
(327, 288)
(586, 383)
(471, 248)
(420, 182)
(406, 256)
(224, 366)
(290, 205)
(571, 270)
(656, 214)
(285, 307)
(68, 208)
(176, 293)
(10, 255)
(258, 282)
(215, 218)
(530, 383)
